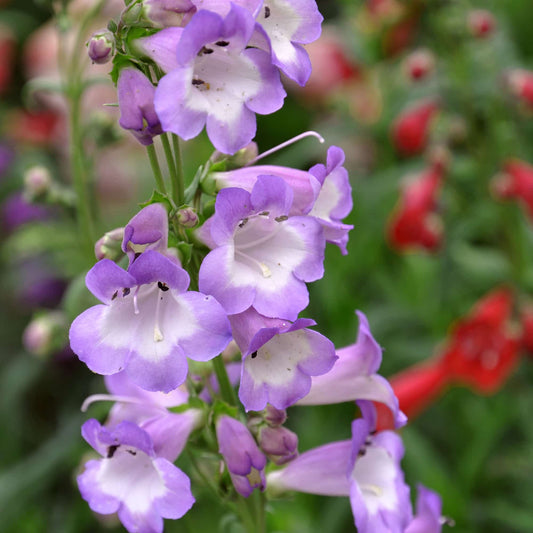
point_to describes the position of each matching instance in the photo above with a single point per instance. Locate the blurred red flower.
(516, 181)
(410, 130)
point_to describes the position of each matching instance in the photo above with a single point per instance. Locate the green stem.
(174, 181)
(80, 176)
(228, 394)
(246, 515)
(156, 169)
(180, 183)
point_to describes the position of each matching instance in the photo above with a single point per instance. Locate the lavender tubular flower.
(261, 252)
(279, 359)
(131, 479)
(428, 518)
(287, 25)
(148, 324)
(279, 443)
(367, 468)
(136, 103)
(243, 458)
(218, 83)
(353, 376)
(165, 13)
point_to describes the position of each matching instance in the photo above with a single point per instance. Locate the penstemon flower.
(218, 82)
(148, 323)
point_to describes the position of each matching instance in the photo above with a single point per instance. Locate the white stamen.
(285, 144)
(264, 268)
(372, 489)
(158, 335)
(108, 398)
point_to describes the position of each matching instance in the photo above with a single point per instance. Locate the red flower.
(35, 127)
(416, 388)
(520, 83)
(481, 23)
(414, 223)
(527, 329)
(516, 181)
(410, 130)
(482, 351)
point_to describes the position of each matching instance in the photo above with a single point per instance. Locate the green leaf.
(158, 198)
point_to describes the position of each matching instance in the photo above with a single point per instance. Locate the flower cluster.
(249, 238)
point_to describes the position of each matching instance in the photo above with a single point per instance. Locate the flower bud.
(275, 417)
(419, 65)
(45, 334)
(243, 458)
(520, 83)
(280, 444)
(109, 246)
(101, 47)
(187, 217)
(168, 13)
(37, 182)
(481, 23)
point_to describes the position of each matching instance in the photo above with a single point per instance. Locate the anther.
(267, 12)
(254, 355)
(282, 218)
(162, 286)
(243, 222)
(111, 450)
(205, 50)
(222, 43)
(114, 295)
(126, 291)
(197, 82)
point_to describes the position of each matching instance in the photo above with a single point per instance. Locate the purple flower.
(287, 25)
(147, 230)
(367, 469)
(16, 211)
(303, 184)
(354, 377)
(148, 324)
(149, 410)
(263, 258)
(131, 479)
(136, 103)
(334, 201)
(219, 82)
(243, 458)
(428, 517)
(279, 359)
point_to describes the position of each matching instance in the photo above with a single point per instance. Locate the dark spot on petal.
(136, 256)
(198, 82)
(373, 432)
(254, 355)
(264, 213)
(281, 218)
(114, 295)
(132, 452)
(361, 452)
(111, 450)
(205, 50)
(243, 222)
(222, 43)
(126, 291)
(162, 286)
(267, 12)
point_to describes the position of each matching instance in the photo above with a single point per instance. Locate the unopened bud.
(187, 217)
(101, 47)
(275, 417)
(279, 444)
(45, 334)
(481, 23)
(167, 13)
(37, 182)
(419, 65)
(109, 246)
(238, 159)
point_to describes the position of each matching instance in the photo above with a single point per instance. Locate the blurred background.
(432, 102)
